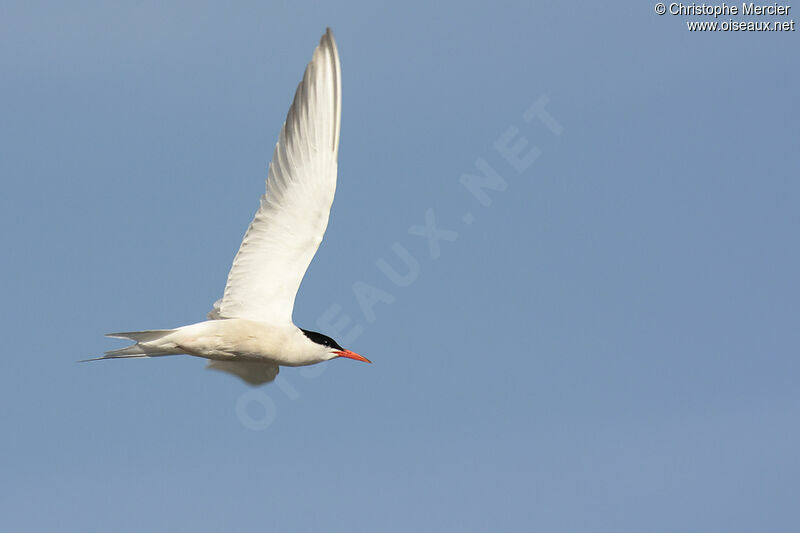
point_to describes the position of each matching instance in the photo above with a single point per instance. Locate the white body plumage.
(250, 331)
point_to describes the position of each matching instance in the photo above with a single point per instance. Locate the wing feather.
(293, 213)
(253, 372)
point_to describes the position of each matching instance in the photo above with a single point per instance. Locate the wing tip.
(329, 41)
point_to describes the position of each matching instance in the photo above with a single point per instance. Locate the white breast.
(248, 340)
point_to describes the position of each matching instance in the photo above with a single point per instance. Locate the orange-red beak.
(352, 355)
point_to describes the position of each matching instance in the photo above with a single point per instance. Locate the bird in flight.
(250, 332)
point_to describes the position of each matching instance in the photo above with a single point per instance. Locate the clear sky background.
(611, 345)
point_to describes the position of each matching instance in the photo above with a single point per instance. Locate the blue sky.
(609, 345)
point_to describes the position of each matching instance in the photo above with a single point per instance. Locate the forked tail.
(149, 343)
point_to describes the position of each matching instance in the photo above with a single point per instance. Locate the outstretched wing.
(253, 372)
(291, 220)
